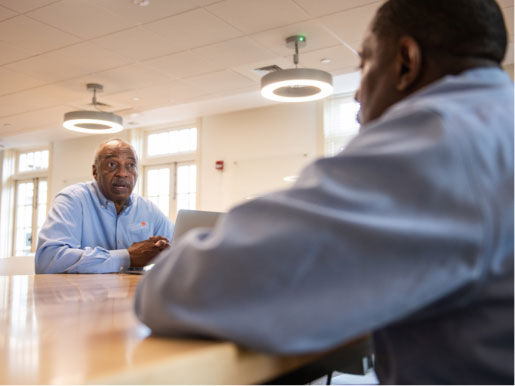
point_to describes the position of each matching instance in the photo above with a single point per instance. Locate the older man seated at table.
(100, 226)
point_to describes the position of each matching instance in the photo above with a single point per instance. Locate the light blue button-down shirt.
(407, 233)
(84, 234)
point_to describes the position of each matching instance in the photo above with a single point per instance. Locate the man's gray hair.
(96, 158)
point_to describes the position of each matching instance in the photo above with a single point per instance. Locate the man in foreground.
(407, 233)
(100, 226)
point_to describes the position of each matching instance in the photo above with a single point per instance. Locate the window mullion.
(35, 194)
(173, 189)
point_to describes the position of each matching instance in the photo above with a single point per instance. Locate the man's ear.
(410, 63)
(94, 170)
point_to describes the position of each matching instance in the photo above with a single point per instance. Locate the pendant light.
(296, 84)
(95, 121)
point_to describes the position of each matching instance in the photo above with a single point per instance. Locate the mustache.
(120, 182)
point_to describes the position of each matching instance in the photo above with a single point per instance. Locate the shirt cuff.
(120, 259)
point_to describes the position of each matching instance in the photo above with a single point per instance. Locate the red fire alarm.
(219, 165)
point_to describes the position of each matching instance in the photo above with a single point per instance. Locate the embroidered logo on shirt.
(143, 223)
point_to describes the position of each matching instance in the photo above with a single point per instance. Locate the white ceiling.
(183, 57)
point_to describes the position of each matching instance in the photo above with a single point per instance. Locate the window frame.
(332, 101)
(35, 213)
(159, 130)
(164, 160)
(10, 190)
(172, 196)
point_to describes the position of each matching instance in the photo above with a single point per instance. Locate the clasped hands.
(142, 252)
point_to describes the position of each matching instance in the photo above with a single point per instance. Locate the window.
(33, 160)
(30, 200)
(31, 203)
(172, 186)
(172, 142)
(169, 168)
(340, 123)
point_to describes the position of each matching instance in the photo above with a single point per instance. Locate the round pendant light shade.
(296, 84)
(96, 121)
(93, 122)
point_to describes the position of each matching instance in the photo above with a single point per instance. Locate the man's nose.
(122, 171)
(356, 96)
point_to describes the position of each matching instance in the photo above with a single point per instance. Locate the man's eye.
(111, 165)
(131, 166)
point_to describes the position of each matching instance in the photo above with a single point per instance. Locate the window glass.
(42, 199)
(33, 160)
(172, 142)
(186, 187)
(158, 188)
(340, 123)
(23, 227)
(25, 236)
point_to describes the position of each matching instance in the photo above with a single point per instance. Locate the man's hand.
(143, 251)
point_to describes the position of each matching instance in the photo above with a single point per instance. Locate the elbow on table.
(43, 264)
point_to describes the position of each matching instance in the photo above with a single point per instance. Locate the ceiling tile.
(508, 20)
(183, 64)
(157, 9)
(69, 62)
(13, 81)
(168, 93)
(316, 35)
(318, 8)
(350, 26)
(6, 13)
(25, 101)
(220, 81)
(24, 5)
(339, 56)
(40, 135)
(85, 104)
(247, 69)
(204, 3)
(124, 78)
(234, 52)
(192, 29)
(37, 118)
(33, 36)
(231, 93)
(81, 18)
(135, 43)
(252, 16)
(11, 53)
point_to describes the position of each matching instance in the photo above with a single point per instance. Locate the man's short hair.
(96, 158)
(468, 29)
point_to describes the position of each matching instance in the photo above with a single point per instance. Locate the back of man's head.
(453, 29)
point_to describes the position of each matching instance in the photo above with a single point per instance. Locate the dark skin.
(392, 69)
(116, 172)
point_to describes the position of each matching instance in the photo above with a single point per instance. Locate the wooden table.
(76, 329)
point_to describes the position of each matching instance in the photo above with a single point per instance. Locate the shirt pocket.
(139, 231)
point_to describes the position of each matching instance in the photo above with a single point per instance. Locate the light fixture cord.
(94, 100)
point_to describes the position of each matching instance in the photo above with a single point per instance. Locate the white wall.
(259, 148)
(72, 159)
(509, 69)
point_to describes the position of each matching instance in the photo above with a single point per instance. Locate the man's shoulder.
(77, 190)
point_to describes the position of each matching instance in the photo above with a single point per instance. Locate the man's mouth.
(120, 186)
